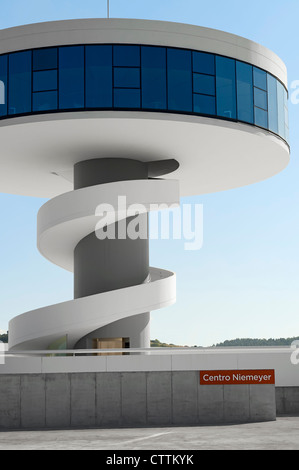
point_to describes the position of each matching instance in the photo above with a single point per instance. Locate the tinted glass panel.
(260, 98)
(98, 76)
(204, 104)
(44, 59)
(71, 77)
(20, 82)
(261, 117)
(203, 63)
(226, 87)
(272, 103)
(45, 101)
(204, 84)
(153, 65)
(129, 98)
(126, 56)
(259, 78)
(44, 81)
(126, 77)
(281, 112)
(244, 92)
(179, 80)
(3, 85)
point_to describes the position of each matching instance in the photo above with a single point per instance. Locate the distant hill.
(155, 343)
(238, 342)
(257, 342)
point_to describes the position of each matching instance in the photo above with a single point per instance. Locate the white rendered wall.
(279, 359)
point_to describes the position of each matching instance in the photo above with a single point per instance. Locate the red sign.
(237, 377)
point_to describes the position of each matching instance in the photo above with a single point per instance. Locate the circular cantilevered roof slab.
(38, 153)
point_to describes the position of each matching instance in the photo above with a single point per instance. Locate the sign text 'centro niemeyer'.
(237, 377)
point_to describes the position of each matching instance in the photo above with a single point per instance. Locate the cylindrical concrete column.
(112, 263)
(108, 170)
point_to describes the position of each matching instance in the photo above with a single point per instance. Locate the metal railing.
(145, 351)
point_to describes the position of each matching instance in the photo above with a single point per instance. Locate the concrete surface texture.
(287, 400)
(275, 435)
(124, 399)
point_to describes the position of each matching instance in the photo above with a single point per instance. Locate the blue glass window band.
(139, 77)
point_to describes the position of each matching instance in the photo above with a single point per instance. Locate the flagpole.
(108, 13)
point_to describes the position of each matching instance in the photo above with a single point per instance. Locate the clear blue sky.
(244, 282)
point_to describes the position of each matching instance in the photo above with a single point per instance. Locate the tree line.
(257, 342)
(4, 338)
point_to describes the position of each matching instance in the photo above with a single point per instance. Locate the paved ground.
(282, 434)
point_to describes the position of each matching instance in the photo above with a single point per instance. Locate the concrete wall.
(287, 401)
(116, 399)
(279, 359)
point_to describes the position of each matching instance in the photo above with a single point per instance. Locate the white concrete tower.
(96, 109)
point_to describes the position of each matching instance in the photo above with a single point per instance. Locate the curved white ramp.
(64, 220)
(76, 318)
(62, 223)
